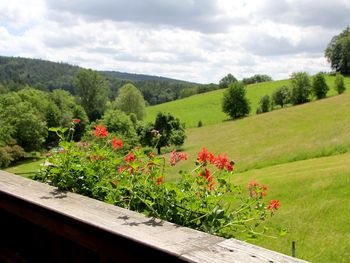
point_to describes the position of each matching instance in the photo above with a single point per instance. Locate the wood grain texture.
(74, 210)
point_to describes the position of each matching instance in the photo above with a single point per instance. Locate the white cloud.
(193, 40)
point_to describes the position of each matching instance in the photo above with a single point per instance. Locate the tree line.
(301, 90)
(27, 114)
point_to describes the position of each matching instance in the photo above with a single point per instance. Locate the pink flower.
(175, 157)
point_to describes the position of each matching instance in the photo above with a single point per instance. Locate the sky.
(194, 40)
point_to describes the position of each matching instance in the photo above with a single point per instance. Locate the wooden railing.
(38, 223)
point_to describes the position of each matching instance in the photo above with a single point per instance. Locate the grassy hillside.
(279, 149)
(315, 200)
(315, 129)
(207, 107)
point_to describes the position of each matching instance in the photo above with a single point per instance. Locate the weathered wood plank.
(180, 242)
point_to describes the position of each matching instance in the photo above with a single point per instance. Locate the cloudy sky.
(196, 40)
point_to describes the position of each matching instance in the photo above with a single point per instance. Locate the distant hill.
(17, 72)
(140, 77)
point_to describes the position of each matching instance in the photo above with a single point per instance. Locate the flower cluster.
(274, 204)
(117, 143)
(175, 157)
(205, 157)
(100, 131)
(204, 199)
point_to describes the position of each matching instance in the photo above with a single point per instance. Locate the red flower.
(100, 131)
(222, 162)
(274, 204)
(117, 143)
(160, 180)
(211, 186)
(130, 158)
(75, 120)
(204, 156)
(175, 157)
(121, 169)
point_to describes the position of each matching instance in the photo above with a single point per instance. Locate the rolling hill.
(18, 72)
(302, 154)
(207, 107)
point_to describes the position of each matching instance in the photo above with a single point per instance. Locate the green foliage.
(10, 153)
(264, 104)
(166, 130)
(200, 124)
(130, 100)
(301, 88)
(281, 96)
(28, 125)
(338, 52)
(258, 78)
(136, 181)
(92, 91)
(235, 103)
(319, 86)
(339, 84)
(226, 81)
(117, 122)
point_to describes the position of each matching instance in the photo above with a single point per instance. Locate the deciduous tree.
(92, 91)
(235, 103)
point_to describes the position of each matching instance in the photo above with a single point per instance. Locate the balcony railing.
(38, 223)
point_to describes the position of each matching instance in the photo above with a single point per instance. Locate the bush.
(264, 105)
(339, 83)
(319, 86)
(200, 124)
(136, 181)
(10, 153)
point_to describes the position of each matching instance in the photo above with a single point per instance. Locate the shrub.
(200, 124)
(137, 181)
(264, 105)
(319, 86)
(339, 83)
(10, 153)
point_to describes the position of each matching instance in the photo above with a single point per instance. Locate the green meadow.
(206, 107)
(315, 200)
(302, 154)
(315, 129)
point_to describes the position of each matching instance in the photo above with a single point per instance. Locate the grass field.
(206, 107)
(315, 201)
(26, 168)
(315, 129)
